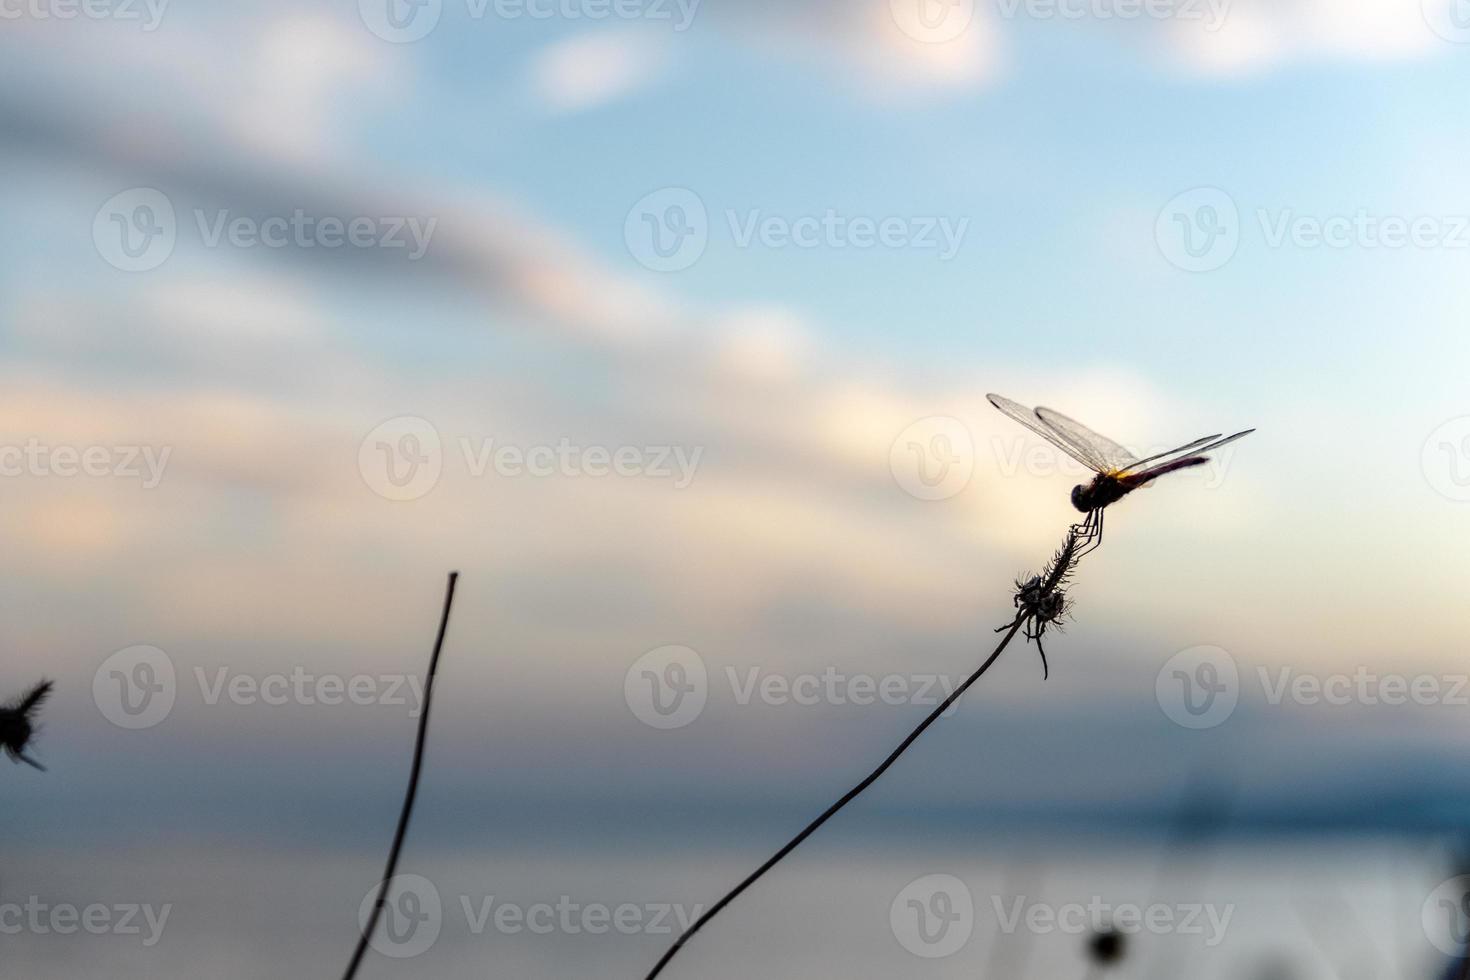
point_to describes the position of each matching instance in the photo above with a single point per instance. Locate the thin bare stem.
(827, 814)
(413, 788)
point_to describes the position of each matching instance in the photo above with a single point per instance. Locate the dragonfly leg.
(1094, 536)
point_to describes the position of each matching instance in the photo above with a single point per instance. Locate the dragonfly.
(1119, 471)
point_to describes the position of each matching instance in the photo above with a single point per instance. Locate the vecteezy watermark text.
(934, 916)
(304, 687)
(1201, 230)
(1022, 455)
(1363, 686)
(415, 914)
(138, 229)
(148, 13)
(41, 918)
(405, 21)
(669, 229)
(1075, 918)
(1200, 687)
(403, 458)
(934, 458)
(1211, 13)
(137, 687)
(42, 460)
(668, 687)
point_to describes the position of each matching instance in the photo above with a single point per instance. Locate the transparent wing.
(1033, 421)
(1102, 453)
(1220, 442)
(1177, 450)
(1197, 448)
(1182, 459)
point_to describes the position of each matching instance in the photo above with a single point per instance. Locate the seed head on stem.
(18, 725)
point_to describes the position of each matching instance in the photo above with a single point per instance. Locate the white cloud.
(299, 75)
(595, 69)
(766, 343)
(889, 46)
(1262, 34)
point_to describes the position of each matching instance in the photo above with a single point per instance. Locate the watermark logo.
(400, 21)
(1199, 687)
(1445, 916)
(1450, 19)
(1199, 230)
(667, 230)
(933, 916)
(933, 459)
(932, 21)
(401, 458)
(667, 688)
(135, 687)
(412, 917)
(136, 230)
(1445, 459)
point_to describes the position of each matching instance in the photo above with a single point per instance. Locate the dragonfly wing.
(1194, 457)
(1099, 452)
(1220, 442)
(1032, 420)
(1177, 450)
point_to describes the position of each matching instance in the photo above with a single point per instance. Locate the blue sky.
(1328, 542)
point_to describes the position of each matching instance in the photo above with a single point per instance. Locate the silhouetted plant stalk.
(413, 788)
(18, 724)
(1040, 602)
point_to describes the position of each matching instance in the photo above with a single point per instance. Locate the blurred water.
(1246, 909)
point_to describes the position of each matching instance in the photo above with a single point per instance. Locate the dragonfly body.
(1104, 489)
(1109, 488)
(1119, 471)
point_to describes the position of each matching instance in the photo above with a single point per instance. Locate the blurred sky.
(1078, 160)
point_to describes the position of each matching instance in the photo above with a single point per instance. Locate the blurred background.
(669, 323)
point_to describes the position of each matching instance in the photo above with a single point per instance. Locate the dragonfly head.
(1082, 498)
